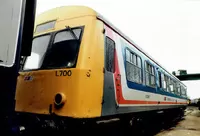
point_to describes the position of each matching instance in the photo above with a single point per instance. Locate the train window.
(63, 53)
(134, 58)
(66, 35)
(178, 89)
(174, 90)
(45, 26)
(166, 82)
(170, 85)
(39, 48)
(183, 91)
(150, 75)
(128, 56)
(139, 62)
(133, 67)
(110, 53)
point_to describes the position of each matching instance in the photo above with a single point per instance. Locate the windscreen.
(39, 47)
(61, 53)
(64, 50)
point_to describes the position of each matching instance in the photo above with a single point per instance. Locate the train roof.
(56, 13)
(79, 11)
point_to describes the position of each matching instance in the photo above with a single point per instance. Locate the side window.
(110, 53)
(166, 82)
(173, 86)
(178, 89)
(150, 75)
(133, 67)
(170, 85)
(183, 91)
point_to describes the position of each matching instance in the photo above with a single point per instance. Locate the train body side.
(123, 96)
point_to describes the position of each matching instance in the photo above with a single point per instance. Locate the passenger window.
(128, 57)
(172, 88)
(150, 75)
(139, 62)
(183, 91)
(178, 89)
(110, 53)
(175, 88)
(133, 67)
(166, 82)
(169, 87)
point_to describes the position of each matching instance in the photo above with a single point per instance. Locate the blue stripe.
(143, 87)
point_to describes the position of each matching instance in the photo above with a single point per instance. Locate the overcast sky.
(169, 30)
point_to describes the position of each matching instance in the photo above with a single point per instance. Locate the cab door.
(109, 98)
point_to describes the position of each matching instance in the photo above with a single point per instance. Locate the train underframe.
(34, 123)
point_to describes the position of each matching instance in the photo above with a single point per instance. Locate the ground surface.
(189, 126)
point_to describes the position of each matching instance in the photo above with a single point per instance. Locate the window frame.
(147, 62)
(141, 68)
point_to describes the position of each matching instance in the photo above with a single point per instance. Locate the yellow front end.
(81, 87)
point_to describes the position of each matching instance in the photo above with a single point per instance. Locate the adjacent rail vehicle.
(82, 67)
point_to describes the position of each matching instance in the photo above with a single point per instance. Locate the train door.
(109, 98)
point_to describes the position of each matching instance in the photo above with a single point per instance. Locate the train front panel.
(64, 74)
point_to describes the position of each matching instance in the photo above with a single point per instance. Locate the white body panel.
(10, 14)
(133, 94)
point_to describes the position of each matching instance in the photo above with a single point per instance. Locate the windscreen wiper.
(72, 33)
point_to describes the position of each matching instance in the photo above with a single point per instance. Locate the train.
(82, 68)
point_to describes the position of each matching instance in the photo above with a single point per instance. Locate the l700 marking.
(64, 73)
